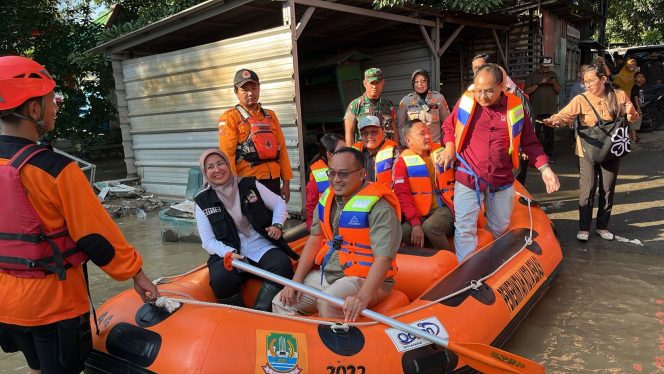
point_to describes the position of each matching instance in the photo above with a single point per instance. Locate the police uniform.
(432, 111)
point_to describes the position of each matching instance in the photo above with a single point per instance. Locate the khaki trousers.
(341, 288)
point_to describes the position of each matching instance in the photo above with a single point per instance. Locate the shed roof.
(218, 19)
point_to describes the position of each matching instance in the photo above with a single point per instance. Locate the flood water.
(604, 314)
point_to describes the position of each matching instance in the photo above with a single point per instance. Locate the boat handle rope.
(172, 304)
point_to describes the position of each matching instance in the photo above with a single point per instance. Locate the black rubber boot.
(265, 296)
(233, 300)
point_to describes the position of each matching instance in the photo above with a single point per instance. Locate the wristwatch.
(279, 226)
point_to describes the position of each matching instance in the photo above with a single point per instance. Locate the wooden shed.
(174, 77)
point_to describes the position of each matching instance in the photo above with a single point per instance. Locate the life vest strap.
(24, 155)
(334, 245)
(477, 179)
(34, 264)
(30, 238)
(349, 264)
(245, 115)
(338, 244)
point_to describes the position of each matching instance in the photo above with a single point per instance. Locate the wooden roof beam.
(365, 12)
(449, 40)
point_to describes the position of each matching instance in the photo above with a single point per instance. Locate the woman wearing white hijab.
(241, 216)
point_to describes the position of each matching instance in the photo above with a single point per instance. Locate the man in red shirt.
(482, 142)
(420, 188)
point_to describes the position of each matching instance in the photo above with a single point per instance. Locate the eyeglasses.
(341, 174)
(487, 93)
(587, 83)
(421, 81)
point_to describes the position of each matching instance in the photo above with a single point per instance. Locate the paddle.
(481, 357)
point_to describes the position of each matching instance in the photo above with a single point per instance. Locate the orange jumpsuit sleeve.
(92, 228)
(286, 171)
(228, 135)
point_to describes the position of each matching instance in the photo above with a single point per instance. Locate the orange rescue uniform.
(61, 195)
(233, 131)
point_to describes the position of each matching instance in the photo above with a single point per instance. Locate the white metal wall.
(175, 99)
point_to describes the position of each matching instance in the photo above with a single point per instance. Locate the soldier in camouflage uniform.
(370, 103)
(428, 106)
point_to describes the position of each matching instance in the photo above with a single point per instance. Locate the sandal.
(605, 234)
(582, 236)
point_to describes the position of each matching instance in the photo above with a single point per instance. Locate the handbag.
(607, 140)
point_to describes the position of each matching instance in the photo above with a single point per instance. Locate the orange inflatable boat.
(482, 300)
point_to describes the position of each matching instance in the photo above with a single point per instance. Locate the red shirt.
(311, 193)
(487, 143)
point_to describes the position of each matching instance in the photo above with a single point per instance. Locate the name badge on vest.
(425, 107)
(212, 210)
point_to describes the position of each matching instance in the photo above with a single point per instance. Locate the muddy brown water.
(603, 314)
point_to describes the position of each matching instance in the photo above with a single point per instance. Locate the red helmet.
(21, 79)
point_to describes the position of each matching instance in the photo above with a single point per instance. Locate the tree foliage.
(468, 6)
(57, 34)
(135, 14)
(636, 22)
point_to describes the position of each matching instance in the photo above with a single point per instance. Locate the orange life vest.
(515, 120)
(262, 144)
(384, 161)
(27, 250)
(420, 181)
(353, 241)
(319, 174)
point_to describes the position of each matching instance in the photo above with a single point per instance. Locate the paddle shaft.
(476, 359)
(338, 301)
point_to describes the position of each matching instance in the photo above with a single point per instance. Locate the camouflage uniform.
(381, 108)
(431, 111)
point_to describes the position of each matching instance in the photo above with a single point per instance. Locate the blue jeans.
(498, 208)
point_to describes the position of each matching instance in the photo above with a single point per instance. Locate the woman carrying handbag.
(602, 138)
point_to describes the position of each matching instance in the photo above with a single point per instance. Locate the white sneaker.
(582, 236)
(605, 234)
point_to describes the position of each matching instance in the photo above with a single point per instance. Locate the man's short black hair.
(409, 126)
(357, 155)
(640, 73)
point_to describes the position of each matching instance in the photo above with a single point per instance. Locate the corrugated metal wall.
(398, 64)
(175, 99)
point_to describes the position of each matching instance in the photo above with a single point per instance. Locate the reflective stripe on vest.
(319, 174)
(353, 241)
(384, 161)
(420, 181)
(515, 121)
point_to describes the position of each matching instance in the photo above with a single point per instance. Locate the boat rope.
(168, 302)
(167, 279)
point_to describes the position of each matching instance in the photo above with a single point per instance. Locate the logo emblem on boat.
(282, 353)
(404, 341)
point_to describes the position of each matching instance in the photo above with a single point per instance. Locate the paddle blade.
(488, 359)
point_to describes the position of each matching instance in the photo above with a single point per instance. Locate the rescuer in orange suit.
(51, 224)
